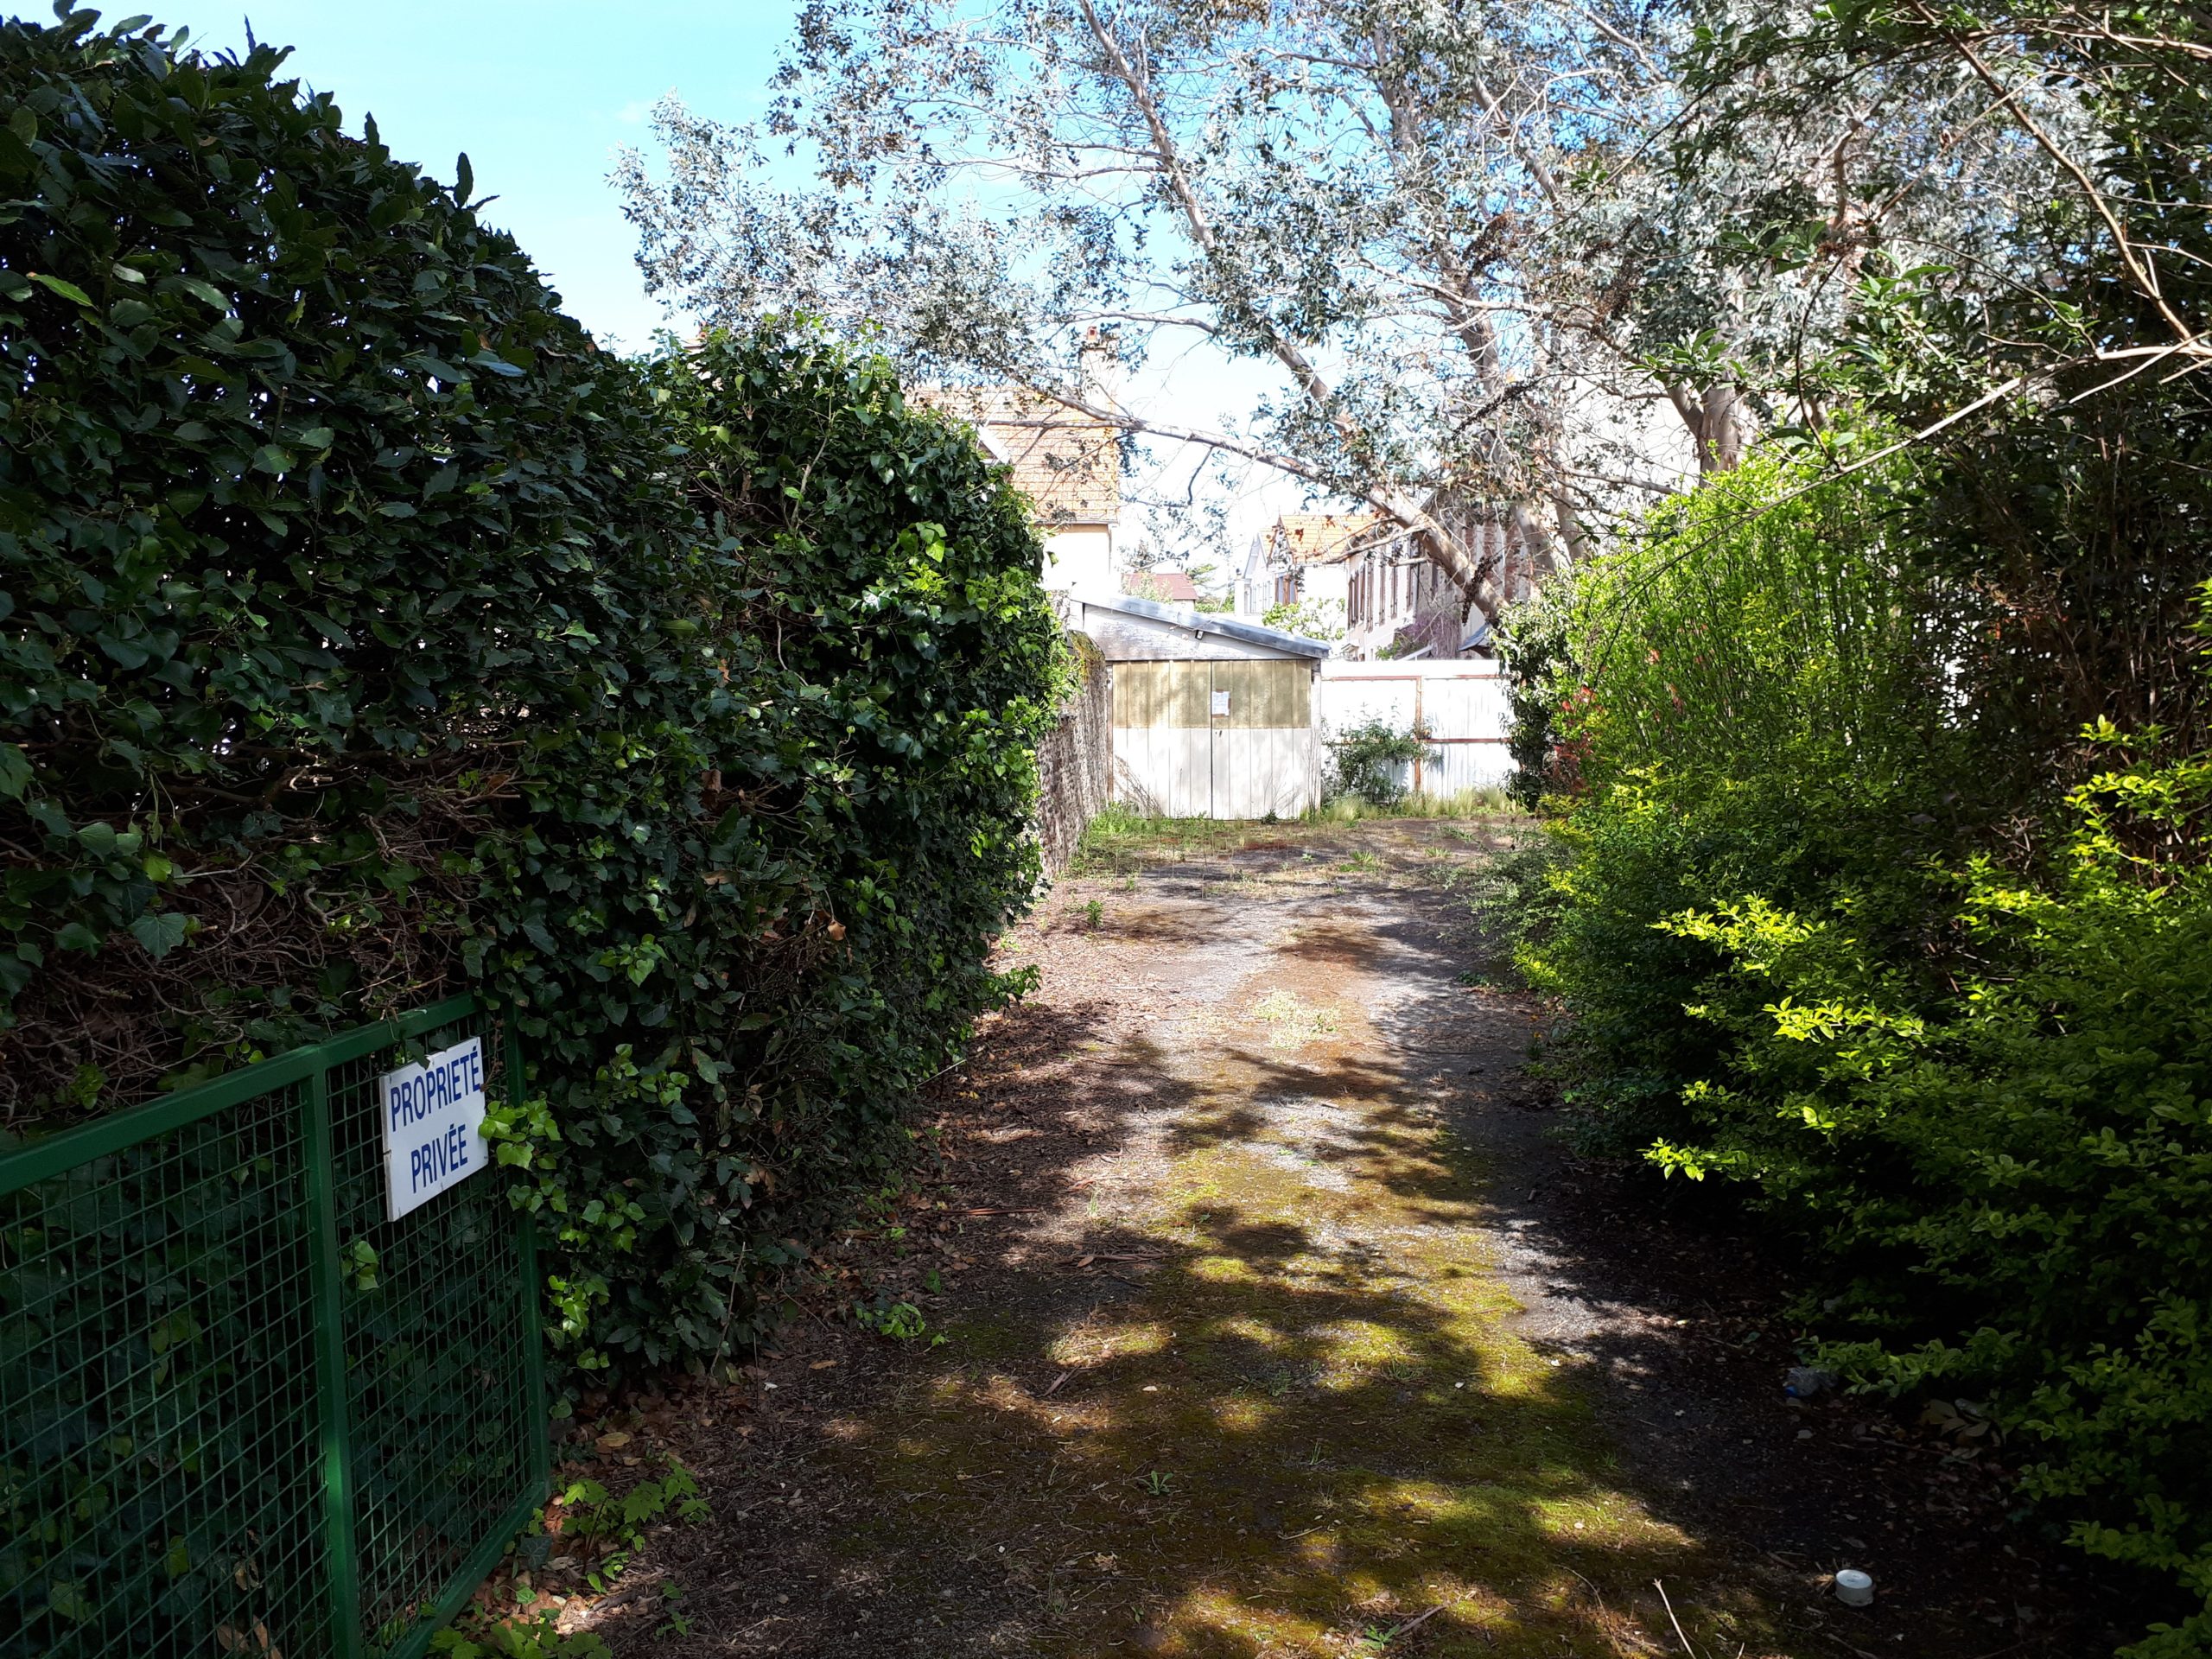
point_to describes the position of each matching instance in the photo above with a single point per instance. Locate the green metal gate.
(240, 1411)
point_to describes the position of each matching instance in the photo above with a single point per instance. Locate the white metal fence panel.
(1462, 704)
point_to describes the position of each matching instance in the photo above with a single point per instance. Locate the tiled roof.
(1069, 468)
(1174, 586)
(1320, 538)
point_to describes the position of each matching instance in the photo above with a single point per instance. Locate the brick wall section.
(1074, 763)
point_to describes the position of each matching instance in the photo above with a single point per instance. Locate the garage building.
(1212, 717)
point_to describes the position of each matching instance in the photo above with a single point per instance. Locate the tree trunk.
(1721, 428)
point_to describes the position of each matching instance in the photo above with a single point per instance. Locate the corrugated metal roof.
(1204, 622)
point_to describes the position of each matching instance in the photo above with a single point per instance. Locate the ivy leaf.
(329, 629)
(125, 653)
(204, 291)
(67, 1600)
(160, 932)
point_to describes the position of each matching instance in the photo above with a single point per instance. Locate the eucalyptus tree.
(1456, 234)
(1354, 194)
(2067, 142)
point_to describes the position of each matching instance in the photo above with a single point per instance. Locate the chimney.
(1098, 367)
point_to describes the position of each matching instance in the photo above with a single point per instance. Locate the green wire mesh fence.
(241, 1410)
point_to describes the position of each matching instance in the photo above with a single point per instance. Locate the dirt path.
(1263, 1317)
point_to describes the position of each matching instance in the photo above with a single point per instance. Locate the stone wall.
(1074, 763)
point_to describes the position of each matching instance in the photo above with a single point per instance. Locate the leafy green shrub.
(602, 1530)
(1536, 651)
(2016, 1175)
(824, 839)
(1368, 762)
(1974, 1090)
(1734, 706)
(535, 1638)
(889, 1316)
(366, 633)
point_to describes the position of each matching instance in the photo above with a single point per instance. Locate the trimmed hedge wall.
(366, 633)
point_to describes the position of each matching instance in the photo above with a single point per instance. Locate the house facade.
(1068, 466)
(1302, 558)
(1401, 604)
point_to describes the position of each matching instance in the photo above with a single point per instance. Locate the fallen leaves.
(1090, 1257)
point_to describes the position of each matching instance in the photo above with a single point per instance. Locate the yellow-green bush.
(1972, 1080)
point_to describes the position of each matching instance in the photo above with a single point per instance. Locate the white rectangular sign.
(433, 1125)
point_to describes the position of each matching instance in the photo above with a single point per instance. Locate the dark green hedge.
(366, 633)
(318, 524)
(812, 856)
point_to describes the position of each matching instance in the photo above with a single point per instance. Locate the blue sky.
(539, 95)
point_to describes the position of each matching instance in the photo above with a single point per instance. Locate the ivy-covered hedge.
(812, 845)
(366, 633)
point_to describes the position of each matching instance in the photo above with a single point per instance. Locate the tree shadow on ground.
(1282, 1414)
(1261, 1352)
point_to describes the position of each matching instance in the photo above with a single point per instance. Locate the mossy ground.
(1219, 1244)
(1121, 843)
(1278, 1405)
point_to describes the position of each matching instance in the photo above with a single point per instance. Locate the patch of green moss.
(1312, 1422)
(987, 1337)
